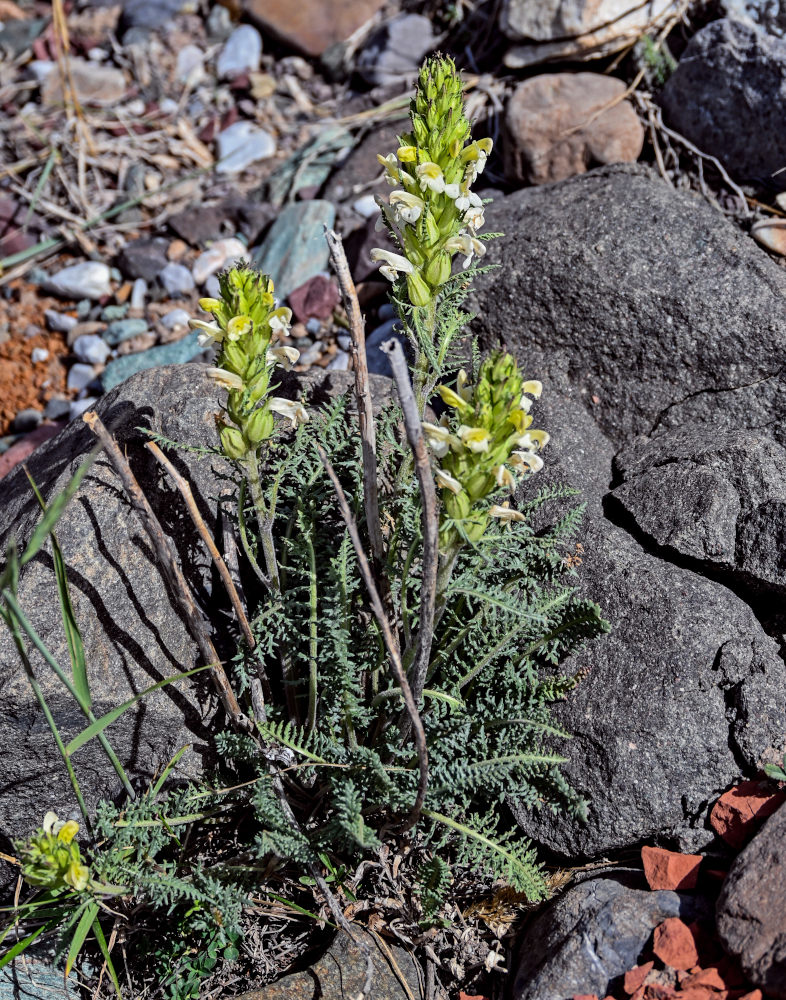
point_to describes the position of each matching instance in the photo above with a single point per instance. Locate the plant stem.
(251, 464)
(311, 718)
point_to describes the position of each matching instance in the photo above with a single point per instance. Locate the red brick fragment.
(674, 944)
(668, 869)
(634, 978)
(739, 813)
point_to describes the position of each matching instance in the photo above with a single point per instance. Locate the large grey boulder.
(134, 634)
(590, 937)
(751, 907)
(684, 694)
(726, 95)
(643, 299)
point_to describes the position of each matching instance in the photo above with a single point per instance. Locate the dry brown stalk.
(428, 496)
(207, 538)
(170, 568)
(390, 643)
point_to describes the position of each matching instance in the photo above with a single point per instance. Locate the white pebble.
(88, 280)
(340, 362)
(39, 354)
(80, 376)
(135, 108)
(167, 106)
(242, 144)
(241, 53)
(91, 349)
(212, 287)
(366, 206)
(223, 253)
(138, 294)
(175, 317)
(190, 65)
(41, 68)
(176, 279)
(59, 322)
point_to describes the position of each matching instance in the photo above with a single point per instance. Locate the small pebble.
(167, 106)
(111, 313)
(175, 317)
(223, 253)
(59, 322)
(39, 354)
(123, 329)
(80, 406)
(83, 308)
(80, 376)
(31, 330)
(41, 68)
(212, 287)
(219, 22)
(139, 294)
(91, 349)
(56, 409)
(314, 326)
(26, 420)
(176, 279)
(135, 108)
(242, 144)
(366, 206)
(344, 341)
(89, 279)
(311, 355)
(190, 67)
(241, 53)
(96, 54)
(176, 250)
(340, 362)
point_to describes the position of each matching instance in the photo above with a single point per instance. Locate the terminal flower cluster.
(433, 214)
(51, 857)
(247, 324)
(482, 444)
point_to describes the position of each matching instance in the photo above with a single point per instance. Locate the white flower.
(447, 482)
(464, 390)
(209, 333)
(284, 356)
(474, 438)
(533, 388)
(468, 199)
(526, 461)
(466, 244)
(474, 218)
(430, 177)
(452, 191)
(228, 380)
(439, 438)
(292, 410)
(280, 321)
(392, 173)
(394, 263)
(505, 513)
(504, 476)
(238, 327)
(407, 207)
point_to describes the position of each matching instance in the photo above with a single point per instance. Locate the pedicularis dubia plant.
(406, 621)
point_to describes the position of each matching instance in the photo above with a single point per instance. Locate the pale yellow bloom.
(209, 333)
(533, 388)
(77, 876)
(474, 218)
(533, 439)
(439, 438)
(280, 320)
(504, 476)
(505, 513)
(394, 263)
(468, 199)
(464, 390)
(447, 482)
(466, 244)
(284, 356)
(407, 154)
(430, 177)
(392, 173)
(209, 305)
(293, 410)
(526, 461)
(238, 327)
(406, 206)
(475, 438)
(227, 380)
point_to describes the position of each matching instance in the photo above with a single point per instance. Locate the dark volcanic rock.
(685, 692)
(143, 259)
(725, 97)
(591, 936)
(751, 908)
(714, 495)
(133, 634)
(341, 973)
(643, 299)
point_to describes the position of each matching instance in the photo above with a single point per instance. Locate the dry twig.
(170, 568)
(428, 495)
(390, 643)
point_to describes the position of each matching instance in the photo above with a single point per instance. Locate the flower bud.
(232, 442)
(438, 269)
(417, 289)
(259, 426)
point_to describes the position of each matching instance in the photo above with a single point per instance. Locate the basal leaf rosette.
(482, 444)
(246, 324)
(433, 214)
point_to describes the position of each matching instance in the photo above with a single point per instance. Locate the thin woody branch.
(170, 568)
(428, 495)
(390, 643)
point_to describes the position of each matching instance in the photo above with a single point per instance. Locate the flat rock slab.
(751, 909)
(341, 973)
(312, 25)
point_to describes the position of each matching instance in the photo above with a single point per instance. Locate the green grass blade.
(106, 720)
(167, 770)
(20, 946)
(80, 935)
(56, 508)
(99, 933)
(76, 649)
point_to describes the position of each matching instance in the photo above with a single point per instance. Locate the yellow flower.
(407, 207)
(468, 245)
(475, 438)
(280, 321)
(439, 438)
(407, 154)
(209, 305)
(533, 388)
(430, 177)
(68, 831)
(209, 333)
(533, 439)
(238, 327)
(452, 398)
(464, 390)
(392, 173)
(284, 356)
(228, 380)
(77, 876)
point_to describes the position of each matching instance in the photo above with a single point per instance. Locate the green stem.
(264, 520)
(311, 719)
